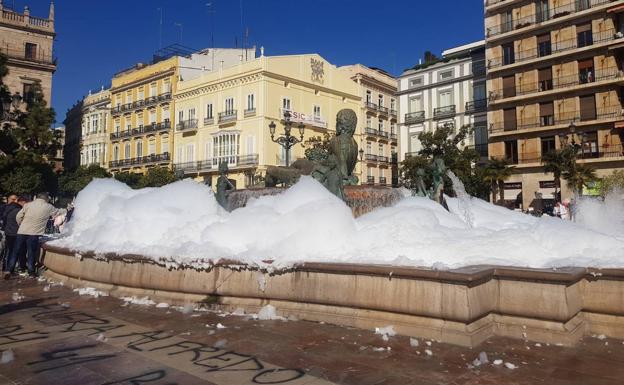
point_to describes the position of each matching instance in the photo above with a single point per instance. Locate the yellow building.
(225, 115)
(378, 123)
(142, 106)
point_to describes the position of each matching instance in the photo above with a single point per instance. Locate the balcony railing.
(236, 161)
(588, 152)
(562, 118)
(227, 116)
(195, 167)
(154, 127)
(373, 132)
(370, 180)
(376, 158)
(550, 14)
(382, 109)
(208, 121)
(393, 112)
(187, 125)
(562, 82)
(555, 47)
(444, 112)
(142, 160)
(371, 106)
(140, 104)
(249, 112)
(479, 105)
(415, 117)
(35, 57)
(382, 181)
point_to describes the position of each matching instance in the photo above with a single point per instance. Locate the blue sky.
(96, 38)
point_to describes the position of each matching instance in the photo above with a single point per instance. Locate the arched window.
(116, 152)
(139, 149)
(152, 146)
(164, 144)
(127, 151)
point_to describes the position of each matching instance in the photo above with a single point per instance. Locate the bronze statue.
(223, 185)
(288, 175)
(344, 147)
(421, 190)
(438, 170)
(328, 174)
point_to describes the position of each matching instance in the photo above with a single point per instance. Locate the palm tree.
(579, 176)
(557, 162)
(497, 171)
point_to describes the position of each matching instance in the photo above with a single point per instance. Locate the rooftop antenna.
(241, 26)
(160, 30)
(212, 46)
(179, 25)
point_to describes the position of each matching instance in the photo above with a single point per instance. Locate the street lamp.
(287, 141)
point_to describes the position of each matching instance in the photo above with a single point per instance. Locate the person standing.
(32, 220)
(9, 220)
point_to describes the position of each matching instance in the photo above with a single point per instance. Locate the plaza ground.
(51, 335)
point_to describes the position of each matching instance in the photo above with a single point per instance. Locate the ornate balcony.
(227, 116)
(444, 112)
(188, 125)
(415, 117)
(479, 105)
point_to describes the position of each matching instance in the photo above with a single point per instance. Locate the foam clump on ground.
(182, 224)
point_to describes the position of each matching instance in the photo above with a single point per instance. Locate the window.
(590, 145)
(445, 75)
(128, 97)
(166, 86)
(369, 148)
(588, 107)
(28, 92)
(164, 144)
(393, 128)
(152, 116)
(380, 100)
(509, 116)
(286, 104)
(165, 114)
(509, 86)
(506, 21)
(369, 122)
(127, 150)
(141, 95)
(511, 151)
(209, 111)
(548, 144)
(416, 104)
(508, 53)
(139, 149)
(116, 152)
(445, 98)
(30, 51)
(229, 106)
(582, 5)
(250, 102)
(543, 10)
(369, 97)
(140, 120)
(415, 82)
(380, 150)
(191, 113)
(250, 144)
(128, 124)
(180, 116)
(207, 148)
(317, 111)
(152, 146)
(179, 154)
(380, 125)
(225, 147)
(478, 92)
(153, 87)
(547, 114)
(543, 45)
(190, 153)
(393, 104)
(584, 35)
(117, 126)
(586, 71)
(544, 77)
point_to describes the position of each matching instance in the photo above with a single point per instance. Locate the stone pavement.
(56, 336)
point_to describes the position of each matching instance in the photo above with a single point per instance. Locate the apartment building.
(27, 43)
(377, 126)
(554, 75)
(94, 128)
(142, 104)
(225, 116)
(450, 91)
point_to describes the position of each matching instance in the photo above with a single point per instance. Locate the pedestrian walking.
(32, 220)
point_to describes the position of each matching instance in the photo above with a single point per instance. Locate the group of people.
(564, 210)
(23, 223)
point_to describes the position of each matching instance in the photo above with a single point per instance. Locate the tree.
(579, 176)
(612, 183)
(496, 172)
(71, 183)
(131, 179)
(157, 177)
(557, 162)
(317, 147)
(445, 143)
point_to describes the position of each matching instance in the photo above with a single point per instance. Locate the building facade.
(73, 129)
(142, 106)
(225, 116)
(554, 71)
(448, 92)
(94, 129)
(377, 126)
(27, 42)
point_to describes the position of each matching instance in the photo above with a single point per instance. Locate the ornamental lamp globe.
(272, 128)
(301, 129)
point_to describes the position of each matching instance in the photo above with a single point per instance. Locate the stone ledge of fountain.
(459, 306)
(361, 199)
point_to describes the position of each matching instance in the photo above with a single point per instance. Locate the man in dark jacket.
(9, 218)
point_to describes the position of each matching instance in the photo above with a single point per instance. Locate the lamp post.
(15, 102)
(287, 141)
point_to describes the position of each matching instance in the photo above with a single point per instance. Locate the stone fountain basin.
(461, 306)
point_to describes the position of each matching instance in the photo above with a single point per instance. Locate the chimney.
(51, 14)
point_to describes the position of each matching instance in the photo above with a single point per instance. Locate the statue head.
(346, 121)
(223, 168)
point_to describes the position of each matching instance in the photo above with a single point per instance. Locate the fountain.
(458, 273)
